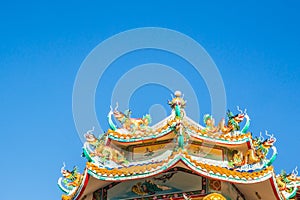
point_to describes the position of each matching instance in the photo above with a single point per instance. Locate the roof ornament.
(271, 137)
(129, 124)
(70, 180)
(109, 117)
(255, 157)
(177, 104)
(244, 115)
(98, 149)
(288, 183)
(233, 123)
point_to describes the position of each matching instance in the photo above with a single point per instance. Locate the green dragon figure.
(101, 150)
(233, 123)
(256, 154)
(70, 180)
(128, 123)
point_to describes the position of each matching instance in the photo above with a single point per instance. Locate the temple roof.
(135, 150)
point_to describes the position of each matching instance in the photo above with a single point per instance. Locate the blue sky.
(43, 43)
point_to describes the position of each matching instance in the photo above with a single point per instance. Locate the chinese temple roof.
(134, 150)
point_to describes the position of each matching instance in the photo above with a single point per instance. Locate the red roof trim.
(83, 187)
(274, 188)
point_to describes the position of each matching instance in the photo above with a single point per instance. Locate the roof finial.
(177, 93)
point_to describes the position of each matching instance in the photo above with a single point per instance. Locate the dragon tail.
(247, 125)
(271, 160)
(110, 122)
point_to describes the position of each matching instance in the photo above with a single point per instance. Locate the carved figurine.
(210, 124)
(178, 104)
(255, 154)
(232, 124)
(288, 183)
(234, 121)
(128, 123)
(283, 179)
(106, 153)
(70, 179)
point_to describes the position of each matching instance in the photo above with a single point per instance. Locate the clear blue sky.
(255, 45)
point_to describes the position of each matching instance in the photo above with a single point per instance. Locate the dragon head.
(238, 117)
(66, 173)
(90, 137)
(269, 141)
(293, 176)
(258, 140)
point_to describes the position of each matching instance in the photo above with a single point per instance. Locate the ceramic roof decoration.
(134, 160)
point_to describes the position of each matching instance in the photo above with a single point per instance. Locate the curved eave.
(223, 141)
(144, 171)
(129, 139)
(266, 190)
(182, 159)
(243, 139)
(160, 129)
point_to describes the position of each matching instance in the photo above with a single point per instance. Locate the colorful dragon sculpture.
(288, 183)
(232, 123)
(256, 154)
(128, 123)
(95, 147)
(70, 179)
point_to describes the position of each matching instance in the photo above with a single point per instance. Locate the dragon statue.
(256, 154)
(288, 183)
(128, 123)
(70, 180)
(95, 147)
(232, 124)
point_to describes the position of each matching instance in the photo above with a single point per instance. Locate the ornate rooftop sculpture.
(224, 155)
